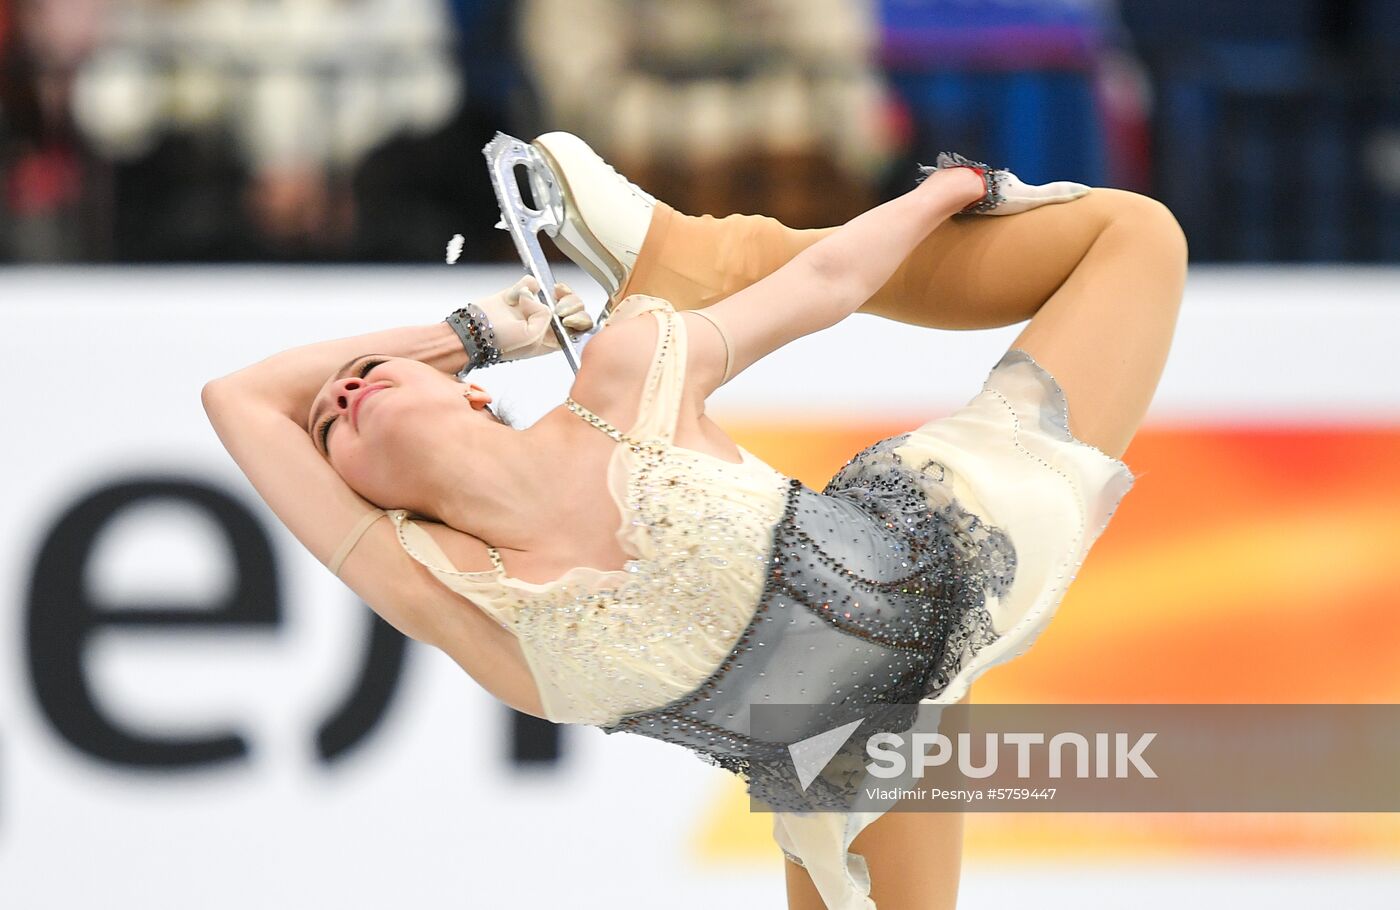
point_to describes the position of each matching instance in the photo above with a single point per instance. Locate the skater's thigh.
(979, 271)
(1104, 334)
(914, 857)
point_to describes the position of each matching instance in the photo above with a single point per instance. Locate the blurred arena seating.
(291, 130)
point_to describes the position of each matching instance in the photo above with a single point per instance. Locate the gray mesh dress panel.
(875, 596)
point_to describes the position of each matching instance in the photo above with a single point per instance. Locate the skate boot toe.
(605, 217)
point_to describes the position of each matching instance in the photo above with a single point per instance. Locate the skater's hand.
(521, 322)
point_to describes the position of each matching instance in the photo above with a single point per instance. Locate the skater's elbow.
(211, 394)
(220, 402)
(222, 398)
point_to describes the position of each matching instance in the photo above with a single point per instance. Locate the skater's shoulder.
(618, 358)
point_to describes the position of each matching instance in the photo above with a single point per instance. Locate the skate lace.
(627, 183)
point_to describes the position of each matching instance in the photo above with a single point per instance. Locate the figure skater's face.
(377, 416)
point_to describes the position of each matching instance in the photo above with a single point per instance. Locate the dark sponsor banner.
(1078, 758)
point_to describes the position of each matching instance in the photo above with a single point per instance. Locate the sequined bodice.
(606, 643)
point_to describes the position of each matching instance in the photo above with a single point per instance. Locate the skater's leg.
(1100, 278)
(1105, 332)
(972, 272)
(913, 852)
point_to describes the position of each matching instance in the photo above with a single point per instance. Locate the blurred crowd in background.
(351, 130)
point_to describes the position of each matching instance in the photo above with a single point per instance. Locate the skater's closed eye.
(323, 435)
(320, 429)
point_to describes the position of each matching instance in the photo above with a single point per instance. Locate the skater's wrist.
(955, 188)
(477, 337)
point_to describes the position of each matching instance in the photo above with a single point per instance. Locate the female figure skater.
(623, 563)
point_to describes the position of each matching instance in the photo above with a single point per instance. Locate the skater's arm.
(288, 381)
(828, 281)
(260, 415)
(263, 416)
(304, 491)
(316, 505)
(271, 420)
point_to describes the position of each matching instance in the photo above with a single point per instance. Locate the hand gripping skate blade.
(524, 222)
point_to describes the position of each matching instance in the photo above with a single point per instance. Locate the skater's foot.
(1006, 194)
(605, 217)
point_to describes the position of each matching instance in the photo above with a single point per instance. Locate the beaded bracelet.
(478, 338)
(991, 177)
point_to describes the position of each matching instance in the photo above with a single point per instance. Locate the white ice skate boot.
(1006, 193)
(604, 219)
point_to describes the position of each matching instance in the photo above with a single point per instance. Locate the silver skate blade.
(524, 222)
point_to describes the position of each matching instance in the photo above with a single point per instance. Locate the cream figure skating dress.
(929, 557)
